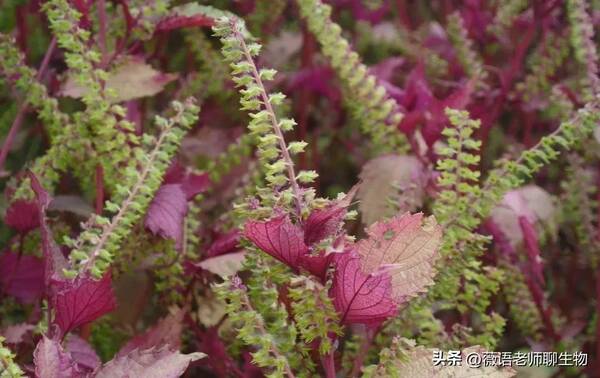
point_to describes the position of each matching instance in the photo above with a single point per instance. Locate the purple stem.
(329, 365)
(534, 278)
(532, 247)
(362, 352)
(404, 14)
(99, 189)
(102, 31)
(545, 312)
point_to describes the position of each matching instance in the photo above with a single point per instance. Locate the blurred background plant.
(238, 188)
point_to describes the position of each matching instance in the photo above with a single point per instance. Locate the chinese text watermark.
(500, 359)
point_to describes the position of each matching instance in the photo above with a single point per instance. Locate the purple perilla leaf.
(81, 301)
(278, 237)
(407, 247)
(22, 276)
(361, 297)
(166, 213)
(169, 207)
(167, 332)
(228, 242)
(82, 353)
(22, 216)
(51, 361)
(149, 363)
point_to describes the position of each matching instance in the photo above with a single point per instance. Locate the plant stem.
(329, 365)
(403, 14)
(99, 189)
(274, 123)
(102, 32)
(362, 353)
(545, 313)
(125, 206)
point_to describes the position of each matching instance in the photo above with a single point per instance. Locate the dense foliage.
(297, 188)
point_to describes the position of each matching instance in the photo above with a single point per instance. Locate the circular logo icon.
(473, 359)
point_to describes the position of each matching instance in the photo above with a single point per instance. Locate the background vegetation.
(297, 188)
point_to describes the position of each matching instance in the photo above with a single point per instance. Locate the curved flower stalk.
(458, 181)
(580, 206)
(582, 41)
(461, 244)
(465, 53)
(522, 307)
(94, 249)
(265, 127)
(276, 337)
(110, 134)
(209, 81)
(543, 65)
(512, 173)
(506, 13)
(369, 102)
(64, 22)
